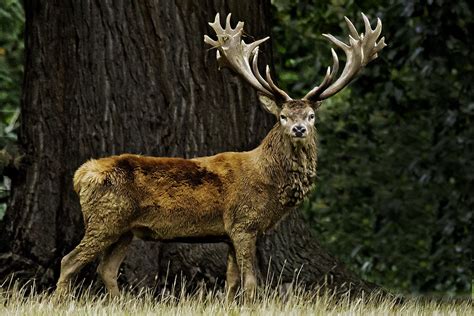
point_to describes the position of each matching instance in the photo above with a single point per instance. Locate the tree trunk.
(110, 77)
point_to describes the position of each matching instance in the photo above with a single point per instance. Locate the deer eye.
(282, 117)
(311, 117)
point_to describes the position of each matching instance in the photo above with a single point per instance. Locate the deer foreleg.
(245, 251)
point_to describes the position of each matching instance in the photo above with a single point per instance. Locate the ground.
(14, 300)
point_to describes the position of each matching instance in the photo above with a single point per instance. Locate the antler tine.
(370, 37)
(328, 78)
(257, 72)
(227, 21)
(361, 50)
(352, 30)
(268, 84)
(234, 53)
(282, 94)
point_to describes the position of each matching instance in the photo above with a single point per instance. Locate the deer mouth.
(299, 134)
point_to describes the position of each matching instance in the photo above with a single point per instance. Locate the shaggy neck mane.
(291, 166)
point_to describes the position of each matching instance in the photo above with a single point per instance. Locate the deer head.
(296, 116)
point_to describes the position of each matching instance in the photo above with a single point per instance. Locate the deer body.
(234, 197)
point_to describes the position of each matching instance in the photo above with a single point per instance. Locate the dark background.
(396, 149)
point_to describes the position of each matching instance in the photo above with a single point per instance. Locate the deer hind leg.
(91, 245)
(110, 263)
(232, 274)
(245, 251)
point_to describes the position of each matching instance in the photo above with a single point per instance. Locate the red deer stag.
(233, 196)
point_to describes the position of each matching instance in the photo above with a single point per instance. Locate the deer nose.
(299, 130)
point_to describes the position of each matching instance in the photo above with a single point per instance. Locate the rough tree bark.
(109, 77)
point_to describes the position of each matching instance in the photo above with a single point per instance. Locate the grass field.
(15, 301)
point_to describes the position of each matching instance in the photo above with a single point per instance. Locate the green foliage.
(11, 62)
(394, 194)
(11, 72)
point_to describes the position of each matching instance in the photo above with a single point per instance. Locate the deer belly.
(179, 223)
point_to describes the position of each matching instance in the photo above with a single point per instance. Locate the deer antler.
(234, 53)
(361, 50)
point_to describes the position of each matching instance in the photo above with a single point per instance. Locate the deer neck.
(292, 167)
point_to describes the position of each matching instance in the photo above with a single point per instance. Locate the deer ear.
(269, 104)
(316, 104)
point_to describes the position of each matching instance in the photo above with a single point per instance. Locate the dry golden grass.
(14, 300)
